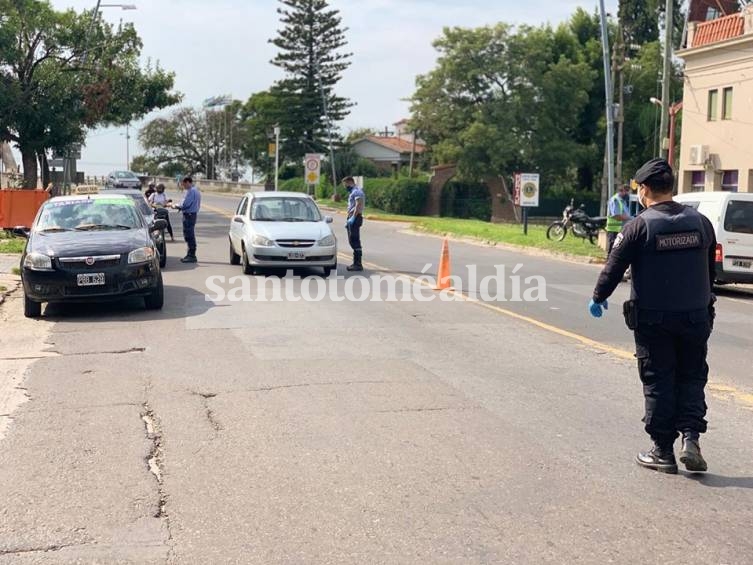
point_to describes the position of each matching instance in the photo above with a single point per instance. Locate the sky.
(221, 47)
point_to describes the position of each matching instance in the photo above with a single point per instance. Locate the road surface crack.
(205, 397)
(53, 353)
(45, 549)
(427, 409)
(155, 464)
(303, 385)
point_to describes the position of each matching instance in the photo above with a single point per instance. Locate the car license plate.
(90, 279)
(296, 255)
(743, 264)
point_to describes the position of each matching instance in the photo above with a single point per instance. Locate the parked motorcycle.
(576, 220)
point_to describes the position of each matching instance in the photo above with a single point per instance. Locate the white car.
(281, 230)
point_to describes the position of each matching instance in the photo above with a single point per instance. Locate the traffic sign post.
(526, 194)
(313, 169)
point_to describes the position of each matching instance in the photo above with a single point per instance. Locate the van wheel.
(235, 259)
(156, 299)
(32, 309)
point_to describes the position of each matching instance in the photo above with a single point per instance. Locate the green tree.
(194, 141)
(502, 100)
(258, 117)
(59, 75)
(310, 47)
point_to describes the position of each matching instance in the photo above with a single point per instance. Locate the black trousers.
(611, 236)
(671, 349)
(354, 234)
(189, 233)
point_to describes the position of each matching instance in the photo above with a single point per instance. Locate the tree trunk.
(45, 167)
(29, 159)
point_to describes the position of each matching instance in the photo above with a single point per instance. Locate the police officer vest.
(613, 224)
(671, 271)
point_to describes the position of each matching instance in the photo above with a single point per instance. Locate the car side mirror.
(239, 220)
(329, 219)
(20, 231)
(159, 224)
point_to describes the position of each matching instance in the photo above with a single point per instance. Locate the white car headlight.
(38, 262)
(141, 255)
(327, 241)
(261, 241)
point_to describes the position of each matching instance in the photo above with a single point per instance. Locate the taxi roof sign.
(86, 189)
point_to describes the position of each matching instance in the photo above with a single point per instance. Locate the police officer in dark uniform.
(670, 249)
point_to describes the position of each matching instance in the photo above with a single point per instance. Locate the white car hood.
(291, 230)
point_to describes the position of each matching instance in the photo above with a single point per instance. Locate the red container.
(18, 208)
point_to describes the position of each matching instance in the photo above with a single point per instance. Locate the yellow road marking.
(718, 389)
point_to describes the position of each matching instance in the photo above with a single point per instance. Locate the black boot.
(658, 458)
(357, 265)
(690, 456)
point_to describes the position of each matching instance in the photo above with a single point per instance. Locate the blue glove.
(596, 308)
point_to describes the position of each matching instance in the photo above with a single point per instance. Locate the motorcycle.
(581, 224)
(159, 235)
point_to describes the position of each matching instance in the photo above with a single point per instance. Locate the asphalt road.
(357, 432)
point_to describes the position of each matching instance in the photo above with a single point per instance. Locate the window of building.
(713, 104)
(729, 181)
(727, 104)
(697, 181)
(712, 14)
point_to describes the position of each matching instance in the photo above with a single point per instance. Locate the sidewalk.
(8, 281)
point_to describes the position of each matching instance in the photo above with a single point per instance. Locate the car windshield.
(125, 175)
(739, 217)
(284, 209)
(142, 204)
(88, 214)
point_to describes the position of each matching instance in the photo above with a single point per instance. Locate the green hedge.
(397, 196)
(462, 199)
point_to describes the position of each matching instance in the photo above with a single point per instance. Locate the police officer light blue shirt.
(356, 194)
(192, 201)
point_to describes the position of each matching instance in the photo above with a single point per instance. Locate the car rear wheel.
(235, 259)
(32, 309)
(156, 299)
(248, 269)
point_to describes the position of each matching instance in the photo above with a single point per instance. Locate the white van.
(731, 214)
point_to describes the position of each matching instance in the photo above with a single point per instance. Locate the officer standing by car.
(190, 207)
(356, 206)
(618, 214)
(670, 248)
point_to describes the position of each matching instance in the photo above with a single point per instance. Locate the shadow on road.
(180, 303)
(720, 481)
(732, 291)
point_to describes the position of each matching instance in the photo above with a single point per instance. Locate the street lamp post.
(277, 157)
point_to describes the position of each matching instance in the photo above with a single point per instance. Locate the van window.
(739, 217)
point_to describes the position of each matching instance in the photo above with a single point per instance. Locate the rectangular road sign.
(313, 168)
(528, 191)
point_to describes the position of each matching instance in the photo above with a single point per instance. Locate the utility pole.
(608, 82)
(666, 77)
(620, 61)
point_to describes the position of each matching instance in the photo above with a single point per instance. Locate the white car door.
(238, 223)
(736, 235)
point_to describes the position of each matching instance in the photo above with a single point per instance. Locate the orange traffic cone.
(443, 273)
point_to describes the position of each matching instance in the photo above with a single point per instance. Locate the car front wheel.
(156, 299)
(235, 259)
(32, 309)
(248, 269)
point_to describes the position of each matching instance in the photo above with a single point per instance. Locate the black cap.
(651, 169)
